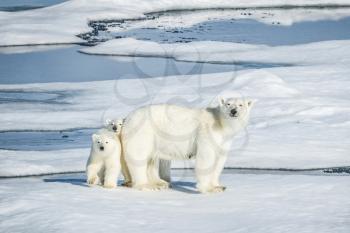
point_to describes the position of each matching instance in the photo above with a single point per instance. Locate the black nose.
(114, 128)
(233, 112)
(102, 148)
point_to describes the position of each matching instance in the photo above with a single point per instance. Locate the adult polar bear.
(171, 132)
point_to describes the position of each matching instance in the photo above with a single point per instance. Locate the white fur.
(115, 126)
(173, 132)
(103, 166)
(162, 166)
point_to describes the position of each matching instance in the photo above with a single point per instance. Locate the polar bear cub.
(103, 166)
(114, 125)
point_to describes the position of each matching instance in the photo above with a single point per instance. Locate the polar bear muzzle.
(233, 113)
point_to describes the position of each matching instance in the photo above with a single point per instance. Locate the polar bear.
(172, 132)
(116, 127)
(164, 165)
(103, 166)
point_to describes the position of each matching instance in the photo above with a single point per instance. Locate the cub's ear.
(221, 100)
(94, 137)
(250, 103)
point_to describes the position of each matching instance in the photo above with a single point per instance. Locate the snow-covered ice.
(23, 163)
(251, 203)
(62, 23)
(334, 52)
(292, 126)
(272, 16)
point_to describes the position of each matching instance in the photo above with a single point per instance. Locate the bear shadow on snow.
(180, 186)
(184, 186)
(73, 181)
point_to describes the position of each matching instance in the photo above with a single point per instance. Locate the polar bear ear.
(95, 137)
(221, 100)
(250, 103)
(120, 121)
(108, 121)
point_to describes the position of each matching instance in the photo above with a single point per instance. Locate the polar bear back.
(163, 119)
(173, 129)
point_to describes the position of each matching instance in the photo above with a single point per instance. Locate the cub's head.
(103, 143)
(114, 125)
(235, 108)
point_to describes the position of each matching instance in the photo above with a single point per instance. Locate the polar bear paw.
(127, 184)
(94, 180)
(211, 189)
(147, 187)
(218, 189)
(109, 185)
(162, 184)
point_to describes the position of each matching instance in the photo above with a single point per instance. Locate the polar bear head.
(235, 108)
(114, 125)
(103, 143)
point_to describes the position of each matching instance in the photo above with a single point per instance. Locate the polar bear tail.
(164, 170)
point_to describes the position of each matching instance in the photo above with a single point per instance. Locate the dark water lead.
(66, 64)
(37, 96)
(21, 5)
(46, 140)
(232, 30)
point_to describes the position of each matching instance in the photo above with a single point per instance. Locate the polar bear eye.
(98, 142)
(106, 142)
(241, 105)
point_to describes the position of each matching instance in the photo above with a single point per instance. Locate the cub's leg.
(112, 172)
(92, 172)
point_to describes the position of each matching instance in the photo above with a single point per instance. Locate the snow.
(325, 52)
(61, 23)
(24, 163)
(251, 203)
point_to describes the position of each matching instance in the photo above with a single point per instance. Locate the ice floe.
(62, 23)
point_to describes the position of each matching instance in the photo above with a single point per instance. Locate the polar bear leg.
(138, 151)
(125, 172)
(138, 172)
(204, 168)
(153, 175)
(164, 170)
(220, 162)
(92, 173)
